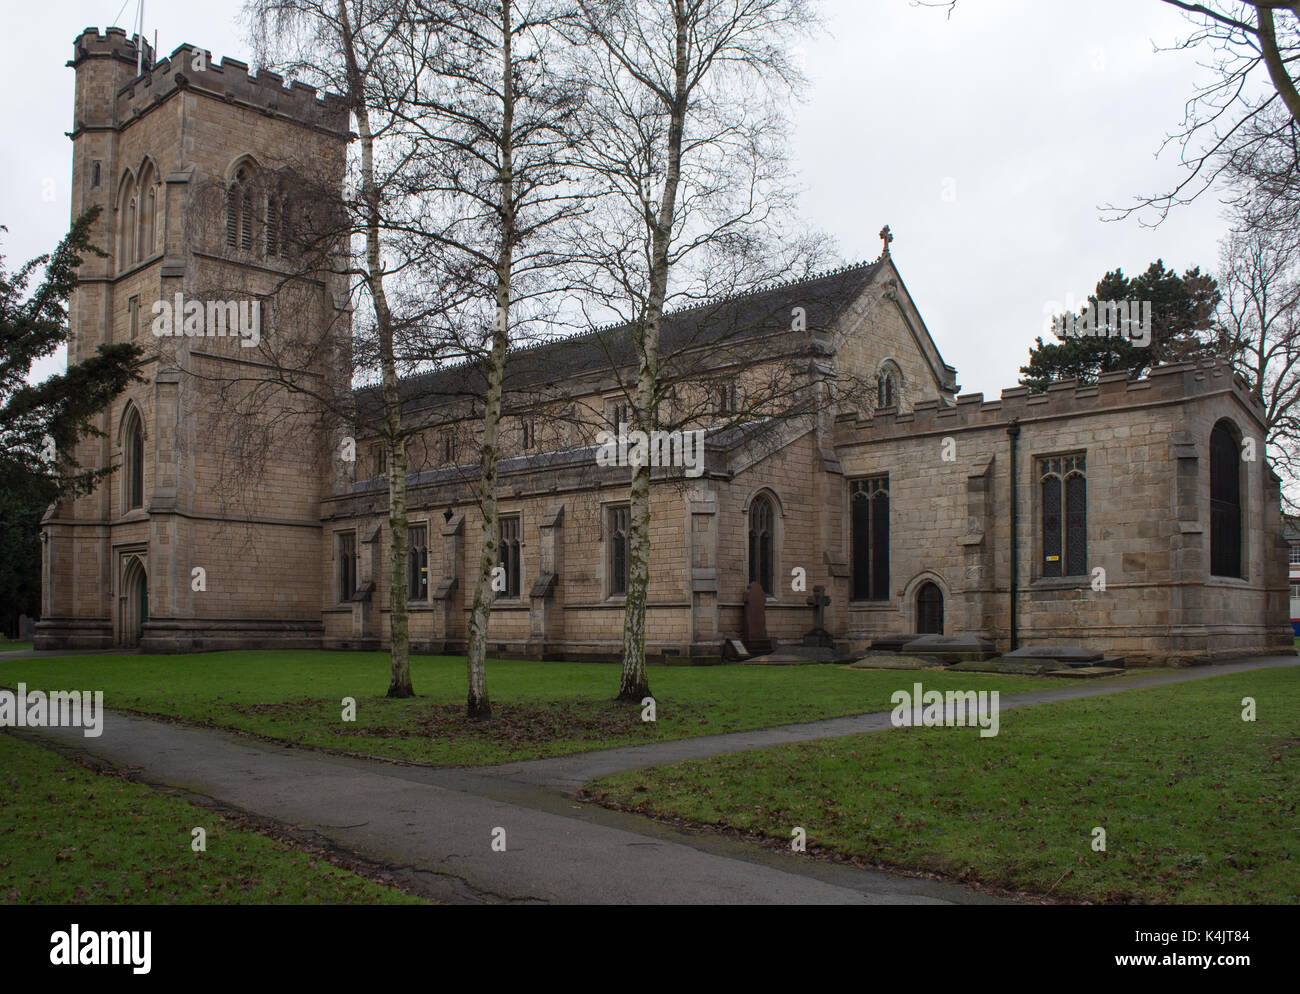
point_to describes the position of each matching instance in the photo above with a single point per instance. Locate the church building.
(1138, 518)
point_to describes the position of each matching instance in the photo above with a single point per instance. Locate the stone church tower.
(207, 536)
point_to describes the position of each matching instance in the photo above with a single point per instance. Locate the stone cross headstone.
(756, 639)
(819, 635)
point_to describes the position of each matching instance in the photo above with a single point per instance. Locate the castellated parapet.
(192, 68)
(1066, 399)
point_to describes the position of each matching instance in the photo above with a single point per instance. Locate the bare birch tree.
(356, 48)
(1260, 315)
(490, 128)
(686, 149)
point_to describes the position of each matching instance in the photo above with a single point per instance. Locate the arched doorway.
(133, 603)
(929, 609)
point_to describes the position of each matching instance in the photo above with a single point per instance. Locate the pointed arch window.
(869, 528)
(762, 521)
(889, 382)
(1063, 485)
(620, 530)
(132, 461)
(126, 225)
(509, 556)
(148, 213)
(1225, 502)
(239, 210)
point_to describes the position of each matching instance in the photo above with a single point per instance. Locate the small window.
(346, 554)
(1295, 555)
(619, 414)
(509, 554)
(417, 581)
(726, 399)
(527, 434)
(448, 448)
(888, 383)
(620, 532)
(96, 173)
(381, 459)
(133, 316)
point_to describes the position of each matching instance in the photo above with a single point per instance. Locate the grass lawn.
(540, 709)
(1198, 805)
(7, 646)
(69, 835)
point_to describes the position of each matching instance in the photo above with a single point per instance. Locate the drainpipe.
(1013, 433)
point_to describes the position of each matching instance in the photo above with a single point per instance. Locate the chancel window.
(346, 555)
(869, 527)
(620, 531)
(417, 581)
(508, 555)
(1063, 486)
(761, 541)
(1225, 502)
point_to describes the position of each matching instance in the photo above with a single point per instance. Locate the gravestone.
(819, 636)
(734, 650)
(756, 640)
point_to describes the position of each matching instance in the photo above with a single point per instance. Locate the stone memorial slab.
(756, 639)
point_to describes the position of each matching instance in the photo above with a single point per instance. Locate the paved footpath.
(434, 826)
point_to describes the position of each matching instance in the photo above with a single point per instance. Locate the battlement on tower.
(114, 43)
(1112, 391)
(190, 67)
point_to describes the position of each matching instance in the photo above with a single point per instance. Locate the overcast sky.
(987, 140)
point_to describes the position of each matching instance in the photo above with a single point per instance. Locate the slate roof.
(824, 298)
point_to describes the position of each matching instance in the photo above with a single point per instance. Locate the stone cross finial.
(886, 236)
